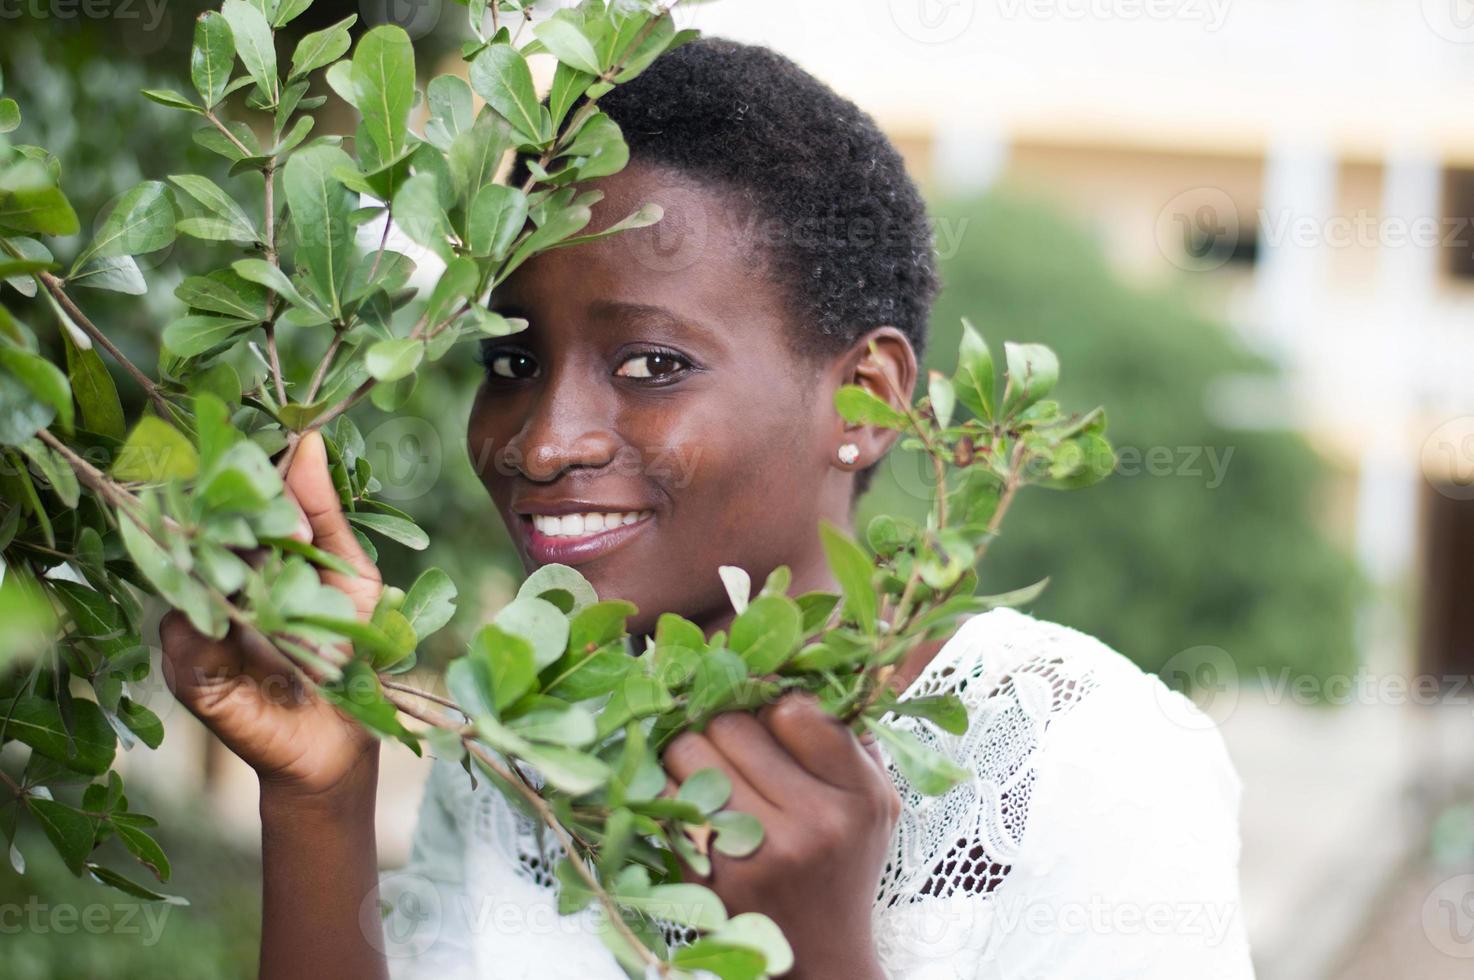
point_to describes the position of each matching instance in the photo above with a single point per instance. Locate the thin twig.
(57, 287)
(544, 812)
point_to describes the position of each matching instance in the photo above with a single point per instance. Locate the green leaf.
(738, 833)
(707, 789)
(155, 452)
(225, 292)
(943, 397)
(231, 222)
(212, 57)
(452, 110)
(264, 273)
(141, 722)
(561, 585)
(288, 11)
(712, 958)
(500, 75)
(756, 931)
(497, 216)
(419, 212)
(974, 379)
(31, 202)
(145, 848)
(142, 221)
(430, 603)
(169, 97)
(540, 623)
(595, 625)
(567, 43)
(390, 360)
(9, 115)
(190, 336)
(22, 414)
(96, 394)
(395, 528)
(42, 379)
(119, 274)
(70, 830)
(929, 772)
(90, 612)
(254, 44)
(321, 206)
(1033, 371)
(767, 632)
(383, 81)
(507, 663)
(945, 711)
(106, 876)
(172, 582)
(853, 568)
(88, 747)
(322, 48)
(476, 153)
(859, 406)
(685, 904)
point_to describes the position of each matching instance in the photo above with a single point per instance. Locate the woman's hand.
(251, 698)
(828, 810)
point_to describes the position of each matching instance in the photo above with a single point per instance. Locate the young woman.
(669, 410)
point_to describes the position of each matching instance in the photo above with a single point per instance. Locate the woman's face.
(654, 422)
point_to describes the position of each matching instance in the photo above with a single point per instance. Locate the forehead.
(698, 260)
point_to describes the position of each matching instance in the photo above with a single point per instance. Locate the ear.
(883, 362)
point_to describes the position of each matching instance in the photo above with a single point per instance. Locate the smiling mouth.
(571, 539)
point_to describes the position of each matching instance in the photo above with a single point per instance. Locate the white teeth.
(575, 525)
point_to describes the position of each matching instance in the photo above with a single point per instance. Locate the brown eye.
(653, 365)
(515, 365)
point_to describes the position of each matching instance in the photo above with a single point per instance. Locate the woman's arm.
(319, 895)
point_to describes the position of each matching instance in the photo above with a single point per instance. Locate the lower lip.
(546, 549)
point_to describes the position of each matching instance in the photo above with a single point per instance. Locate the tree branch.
(57, 288)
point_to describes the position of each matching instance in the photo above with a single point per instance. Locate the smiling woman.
(793, 259)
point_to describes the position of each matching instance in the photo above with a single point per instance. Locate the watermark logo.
(1198, 229)
(1452, 20)
(933, 21)
(416, 17)
(1448, 458)
(1200, 688)
(1448, 917)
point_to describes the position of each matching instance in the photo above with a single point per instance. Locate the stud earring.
(848, 453)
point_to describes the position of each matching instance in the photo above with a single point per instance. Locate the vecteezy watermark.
(148, 13)
(1448, 458)
(143, 919)
(1200, 687)
(1210, 13)
(406, 455)
(1202, 228)
(933, 21)
(1448, 917)
(1209, 463)
(1452, 20)
(416, 17)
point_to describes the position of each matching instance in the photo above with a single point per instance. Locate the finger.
(192, 661)
(819, 742)
(312, 486)
(755, 753)
(693, 751)
(303, 533)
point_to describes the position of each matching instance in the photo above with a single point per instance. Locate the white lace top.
(1098, 839)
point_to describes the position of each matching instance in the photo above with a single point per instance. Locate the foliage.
(1168, 555)
(103, 507)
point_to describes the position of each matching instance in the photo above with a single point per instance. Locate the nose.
(569, 427)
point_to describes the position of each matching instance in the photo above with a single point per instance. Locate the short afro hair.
(845, 229)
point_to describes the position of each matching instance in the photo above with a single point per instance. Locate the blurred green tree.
(1167, 554)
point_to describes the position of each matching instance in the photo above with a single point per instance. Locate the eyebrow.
(620, 310)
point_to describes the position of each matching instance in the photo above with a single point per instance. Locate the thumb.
(312, 485)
